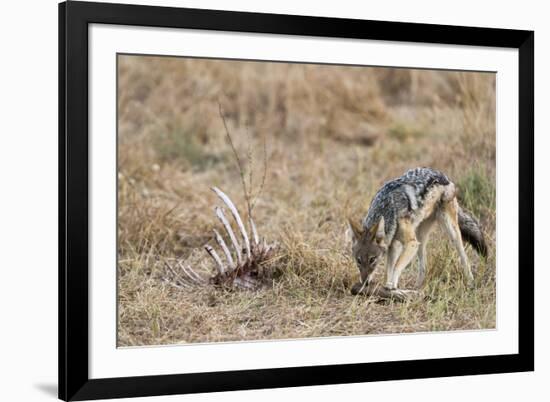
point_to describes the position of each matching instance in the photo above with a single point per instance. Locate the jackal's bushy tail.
(471, 232)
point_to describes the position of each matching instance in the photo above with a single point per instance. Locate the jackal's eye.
(359, 260)
(372, 260)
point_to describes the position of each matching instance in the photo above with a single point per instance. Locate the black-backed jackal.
(400, 219)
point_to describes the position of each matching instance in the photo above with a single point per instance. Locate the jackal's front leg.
(394, 251)
(407, 236)
(409, 251)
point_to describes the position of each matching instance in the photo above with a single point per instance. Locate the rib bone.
(227, 201)
(174, 273)
(227, 226)
(226, 251)
(179, 285)
(216, 258)
(190, 273)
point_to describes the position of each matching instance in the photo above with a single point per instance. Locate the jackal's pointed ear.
(356, 230)
(377, 232)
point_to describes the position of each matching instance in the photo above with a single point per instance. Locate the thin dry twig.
(250, 162)
(237, 158)
(264, 174)
(248, 191)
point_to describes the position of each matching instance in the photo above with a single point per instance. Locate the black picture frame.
(74, 18)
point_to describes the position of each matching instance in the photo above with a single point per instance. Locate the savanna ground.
(334, 135)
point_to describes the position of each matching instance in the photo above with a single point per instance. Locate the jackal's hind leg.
(421, 265)
(449, 220)
(423, 234)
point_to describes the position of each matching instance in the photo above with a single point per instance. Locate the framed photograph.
(258, 201)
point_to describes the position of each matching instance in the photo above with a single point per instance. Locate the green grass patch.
(184, 146)
(477, 191)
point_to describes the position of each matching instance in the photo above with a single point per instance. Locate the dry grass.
(334, 134)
